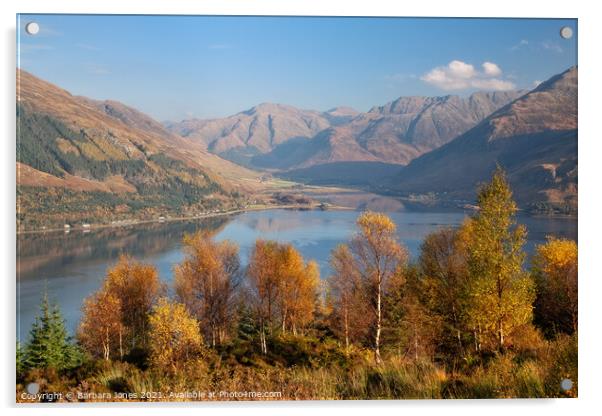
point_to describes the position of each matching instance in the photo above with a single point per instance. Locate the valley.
(84, 161)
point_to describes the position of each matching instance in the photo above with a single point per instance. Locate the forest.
(156, 184)
(470, 317)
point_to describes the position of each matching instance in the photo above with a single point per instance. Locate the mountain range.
(533, 138)
(84, 159)
(80, 159)
(275, 136)
(442, 147)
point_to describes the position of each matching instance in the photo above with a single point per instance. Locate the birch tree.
(101, 330)
(377, 256)
(137, 287)
(115, 318)
(175, 336)
(284, 288)
(501, 293)
(555, 273)
(444, 280)
(350, 317)
(206, 282)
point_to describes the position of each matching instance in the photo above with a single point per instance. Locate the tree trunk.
(500, 320)
(415, 342)
(213, 335)
(456, 325)
(106, 345)
(120, 344)
(346, 330)
(264, 348)
(501, 332)
(378, 325)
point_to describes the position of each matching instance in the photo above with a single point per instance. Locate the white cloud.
(519, 45)
(552, 46)
(458, 75)
(491, 69)
(536, 83)
(461, 69)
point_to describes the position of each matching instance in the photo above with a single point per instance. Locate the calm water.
(72, 266)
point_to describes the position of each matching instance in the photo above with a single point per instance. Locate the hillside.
(533, 138)
(257, 130)
(85, 160)
(275, 136)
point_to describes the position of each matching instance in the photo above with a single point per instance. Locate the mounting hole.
(32, 28)
(33, 388)
(566, 384)
(566, 32)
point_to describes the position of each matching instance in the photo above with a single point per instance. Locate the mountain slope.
(276, 136)
(80, 159)
(394, 133)
(425, 123)
(534, 139)
(258, 130)
(234, 174)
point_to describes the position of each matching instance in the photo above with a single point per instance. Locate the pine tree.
(20, 359)
(49, 345)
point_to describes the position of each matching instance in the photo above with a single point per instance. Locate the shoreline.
(266, 208)
(175, 219)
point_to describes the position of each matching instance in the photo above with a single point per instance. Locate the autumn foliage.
(115, 319)
(176, 336)
(206, 282)
(500, 292)
(283, 288)
(555, 273)
(466, 318)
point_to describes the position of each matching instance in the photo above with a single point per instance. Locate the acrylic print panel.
(279, 208)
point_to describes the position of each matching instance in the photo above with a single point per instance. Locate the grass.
(306, 368)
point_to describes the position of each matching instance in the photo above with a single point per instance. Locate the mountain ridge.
(85, 159)
(534, 138)
(395, 132)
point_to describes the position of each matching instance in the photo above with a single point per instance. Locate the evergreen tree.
(20, 364)
(49, 345)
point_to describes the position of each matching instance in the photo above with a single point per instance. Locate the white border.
(589, 190)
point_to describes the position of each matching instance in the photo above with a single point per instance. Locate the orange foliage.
(206, 282)
(283, 285)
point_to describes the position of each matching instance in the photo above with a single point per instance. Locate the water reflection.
(71, 266)
(41, 255)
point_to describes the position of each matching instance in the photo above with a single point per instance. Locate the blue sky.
(177, 67)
